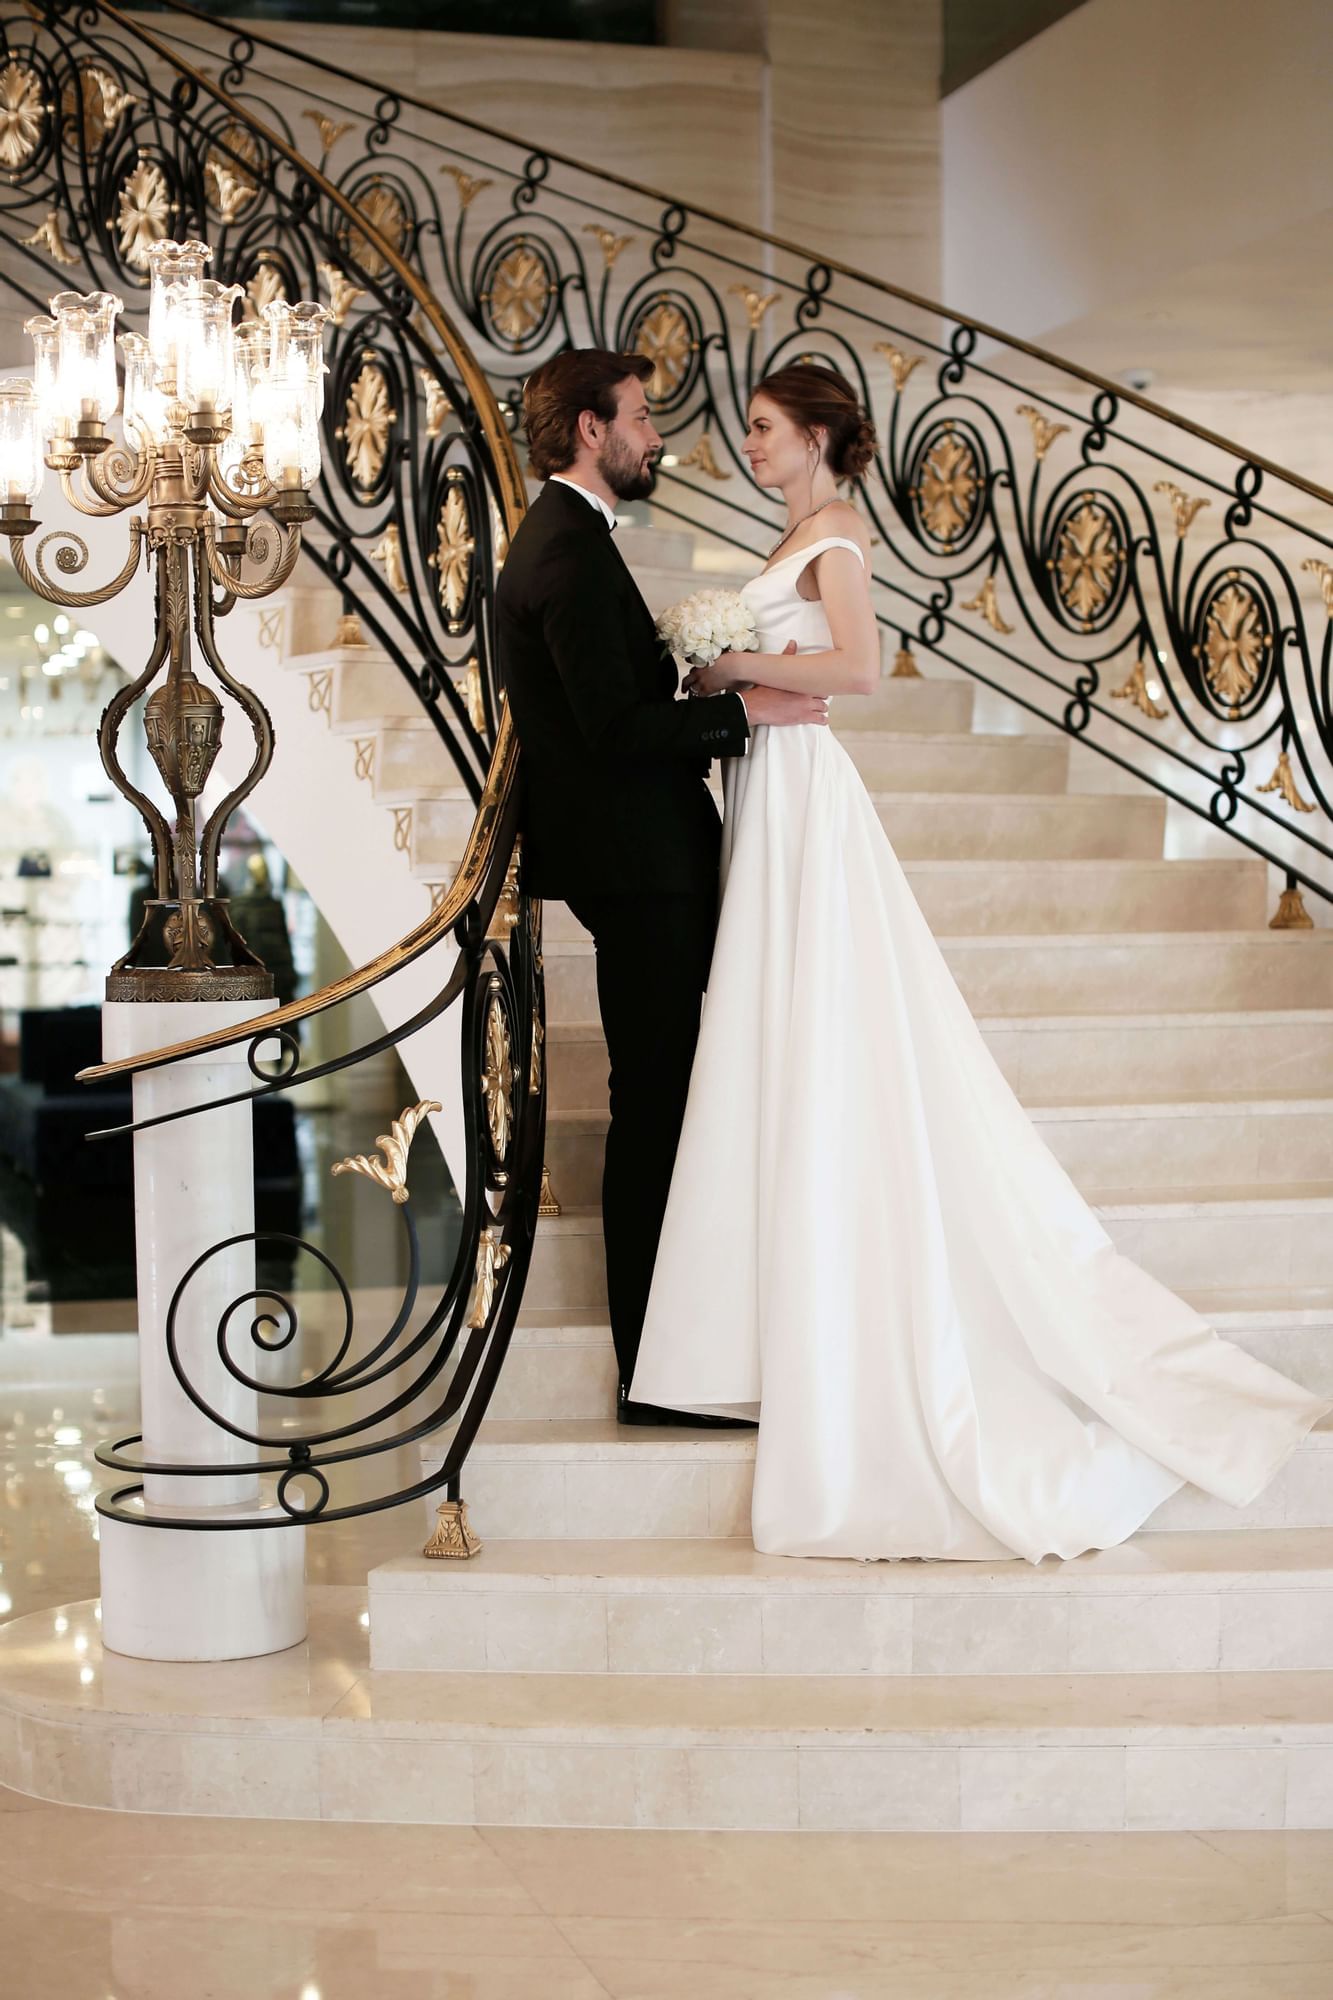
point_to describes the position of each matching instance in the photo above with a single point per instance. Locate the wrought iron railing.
(1156, 591)
(111, 140)
(1038, 528)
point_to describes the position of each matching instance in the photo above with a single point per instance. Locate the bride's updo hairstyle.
(815, 398)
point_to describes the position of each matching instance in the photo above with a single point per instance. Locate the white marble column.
(172, 1593)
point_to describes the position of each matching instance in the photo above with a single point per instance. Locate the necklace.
(795, 525)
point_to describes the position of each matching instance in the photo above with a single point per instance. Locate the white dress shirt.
(596, 500)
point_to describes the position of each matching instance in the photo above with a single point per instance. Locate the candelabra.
(221, 424)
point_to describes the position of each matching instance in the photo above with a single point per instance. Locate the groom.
(617, 820)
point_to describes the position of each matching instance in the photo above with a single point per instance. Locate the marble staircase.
(618, 1655)
(1178, 1057)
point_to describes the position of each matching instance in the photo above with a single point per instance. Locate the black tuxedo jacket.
(614, 767)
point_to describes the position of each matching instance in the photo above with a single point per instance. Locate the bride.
(866, 1245)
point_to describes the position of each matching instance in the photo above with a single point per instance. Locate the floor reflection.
(101, 1907)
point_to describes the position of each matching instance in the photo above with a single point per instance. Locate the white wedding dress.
(868, 1247)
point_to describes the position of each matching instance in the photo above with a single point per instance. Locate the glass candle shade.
(295, 351)
(86, 387)
(307, 346)
(294, 390)
(147, 419)
(171, 264)
(204, 346)
(249, 347)
(20, 442)
(45, 337)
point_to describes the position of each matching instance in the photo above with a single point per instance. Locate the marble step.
(1110, 1151)
(920, 707)
(889, 761)
(366, 688)
(569, 1479)
(1218, 1237)
(926, 826)
(557, 1367)
(899, 761)
(1196, 1603)
(1030, 898)
(1058, 1059)
(317, 1733)
(1082, 973)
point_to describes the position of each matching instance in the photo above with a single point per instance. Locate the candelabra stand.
(221, 425)
(198, 531)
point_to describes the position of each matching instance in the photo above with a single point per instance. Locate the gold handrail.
(800, 250)
(479, 853)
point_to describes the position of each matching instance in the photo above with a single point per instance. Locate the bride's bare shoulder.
(841, 518)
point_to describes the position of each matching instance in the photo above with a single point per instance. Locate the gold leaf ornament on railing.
(608, 242)
(1184, 506)
(1235, 642)
(900, 364)
(390, 1171)
(1137, 690)
(1324, 571)
(1283, 781)
(1044, 433)
(455, 545)
(143, 212)
(497, 1076)
(986, 605)
(468, 186)
(950, 487)
(343, 294)
(23, 115)
(369, 419)
(46, 236)
(1090, 552)
(330, 130)
(702, 456)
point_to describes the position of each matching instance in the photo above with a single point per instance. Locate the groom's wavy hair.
(556, 394)
(814, 396)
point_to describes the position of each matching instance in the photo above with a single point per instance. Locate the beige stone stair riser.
(928, 826)
(908, 706)
(411, 761)
(716, 1608)
(367, 692)
(1068, 1060)
(763, 1752)
(689, 1487)
(570, 1372)
(915, 706)
(1187, 1245)
(415, 764)
(1080, 974)
(1103, 1148)
(1007, 765)
(1028, 898)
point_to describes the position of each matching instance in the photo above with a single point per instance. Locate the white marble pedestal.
(211, 1593)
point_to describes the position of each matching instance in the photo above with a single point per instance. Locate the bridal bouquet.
(709, 623)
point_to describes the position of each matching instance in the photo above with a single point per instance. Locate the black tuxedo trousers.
(617, 821)
(653, 954)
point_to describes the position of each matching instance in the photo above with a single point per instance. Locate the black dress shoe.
(653, 1414)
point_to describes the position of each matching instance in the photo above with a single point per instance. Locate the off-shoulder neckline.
(807, 550)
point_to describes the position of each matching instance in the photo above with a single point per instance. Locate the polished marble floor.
(95, 1906)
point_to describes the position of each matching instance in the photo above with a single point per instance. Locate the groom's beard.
(625, 471)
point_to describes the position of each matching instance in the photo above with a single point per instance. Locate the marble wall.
(820, 123)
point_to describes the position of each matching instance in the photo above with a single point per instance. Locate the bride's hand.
(730, 670)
